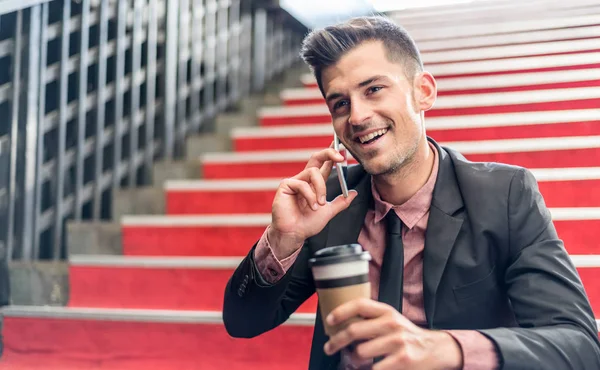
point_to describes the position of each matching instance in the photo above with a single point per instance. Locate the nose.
(360, 112)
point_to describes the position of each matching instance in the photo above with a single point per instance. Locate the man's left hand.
(385, 332)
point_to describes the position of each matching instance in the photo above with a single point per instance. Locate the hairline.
(410, 69)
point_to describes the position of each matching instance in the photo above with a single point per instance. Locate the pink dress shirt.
(478, 351)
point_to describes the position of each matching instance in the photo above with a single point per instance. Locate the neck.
(398, 187)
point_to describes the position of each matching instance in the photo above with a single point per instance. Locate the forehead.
(359, 64)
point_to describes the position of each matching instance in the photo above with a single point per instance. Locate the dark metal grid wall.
(93, 91)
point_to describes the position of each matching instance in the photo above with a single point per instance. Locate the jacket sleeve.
(253, 306)
(557, 328)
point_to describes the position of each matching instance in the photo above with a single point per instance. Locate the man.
(485, 282)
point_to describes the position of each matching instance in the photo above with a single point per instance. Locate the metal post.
(224, 31)
(270, 49)
(170, 78)
(62, 130)
(246, 66)
(279, 52)
(259, 49)
(209, 59)
(40, 137)
(122, 6)
(101, 108)
(4, 191)
(136, 61)
(150, 89)
(234, 51)
(195, 70)
(183, 88)
(14, 135)
(81, 105)
(32, 129)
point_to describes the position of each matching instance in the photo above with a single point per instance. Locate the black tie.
(392, 266)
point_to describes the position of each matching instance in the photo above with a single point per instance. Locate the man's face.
(375, 109)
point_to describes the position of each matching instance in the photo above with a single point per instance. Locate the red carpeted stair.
(523, 96)
(561, 187)
(60, 339)
(557, 152)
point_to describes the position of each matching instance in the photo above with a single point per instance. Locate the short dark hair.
(322, 48)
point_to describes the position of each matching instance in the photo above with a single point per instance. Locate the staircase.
(147, 293)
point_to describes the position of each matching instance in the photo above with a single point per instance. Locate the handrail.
(94, 91)
(9, 6)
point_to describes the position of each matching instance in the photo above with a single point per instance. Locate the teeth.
(372, 135)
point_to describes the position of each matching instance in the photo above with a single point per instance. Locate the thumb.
(340, 203)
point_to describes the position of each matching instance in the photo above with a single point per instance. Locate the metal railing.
(92, 92)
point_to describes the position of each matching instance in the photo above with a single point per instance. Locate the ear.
(425, 90)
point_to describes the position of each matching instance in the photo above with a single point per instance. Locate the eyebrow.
(364, 83)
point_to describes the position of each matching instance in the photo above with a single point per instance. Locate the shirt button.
(273, 272)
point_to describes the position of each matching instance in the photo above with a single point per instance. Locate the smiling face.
(376, 108)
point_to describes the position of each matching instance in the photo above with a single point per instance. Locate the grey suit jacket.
(492, 262)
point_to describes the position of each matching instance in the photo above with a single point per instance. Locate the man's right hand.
(300, 209)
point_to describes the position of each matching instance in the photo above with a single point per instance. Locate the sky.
(318, 13)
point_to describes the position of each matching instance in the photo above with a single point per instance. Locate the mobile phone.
(341, 167)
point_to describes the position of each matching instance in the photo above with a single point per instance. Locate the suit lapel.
(443, 228)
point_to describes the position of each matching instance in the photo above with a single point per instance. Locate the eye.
(374, 89)
(339, 104)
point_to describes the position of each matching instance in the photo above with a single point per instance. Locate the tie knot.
(394, 224)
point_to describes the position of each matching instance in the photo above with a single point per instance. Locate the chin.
(375, 168)
(382, 167)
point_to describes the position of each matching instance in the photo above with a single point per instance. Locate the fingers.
(380, 346)
(323, 161)
(316, 180)
(340, 203)
(294, 186)
(363, 307)
(317, 177)
(318, 159)
(326, 169)
(393, 362)
(360, 331)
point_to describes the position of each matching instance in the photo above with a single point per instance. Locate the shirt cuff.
(479, 352)
(270, 268)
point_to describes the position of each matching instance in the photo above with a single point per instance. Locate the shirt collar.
(411, 211)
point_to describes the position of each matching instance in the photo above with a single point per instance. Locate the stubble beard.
(397, 164)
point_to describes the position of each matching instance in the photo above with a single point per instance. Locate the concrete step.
(197, 145)
(40, 283)
(164, 170)
(226, 122)
(147, 200)
(94, 238)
